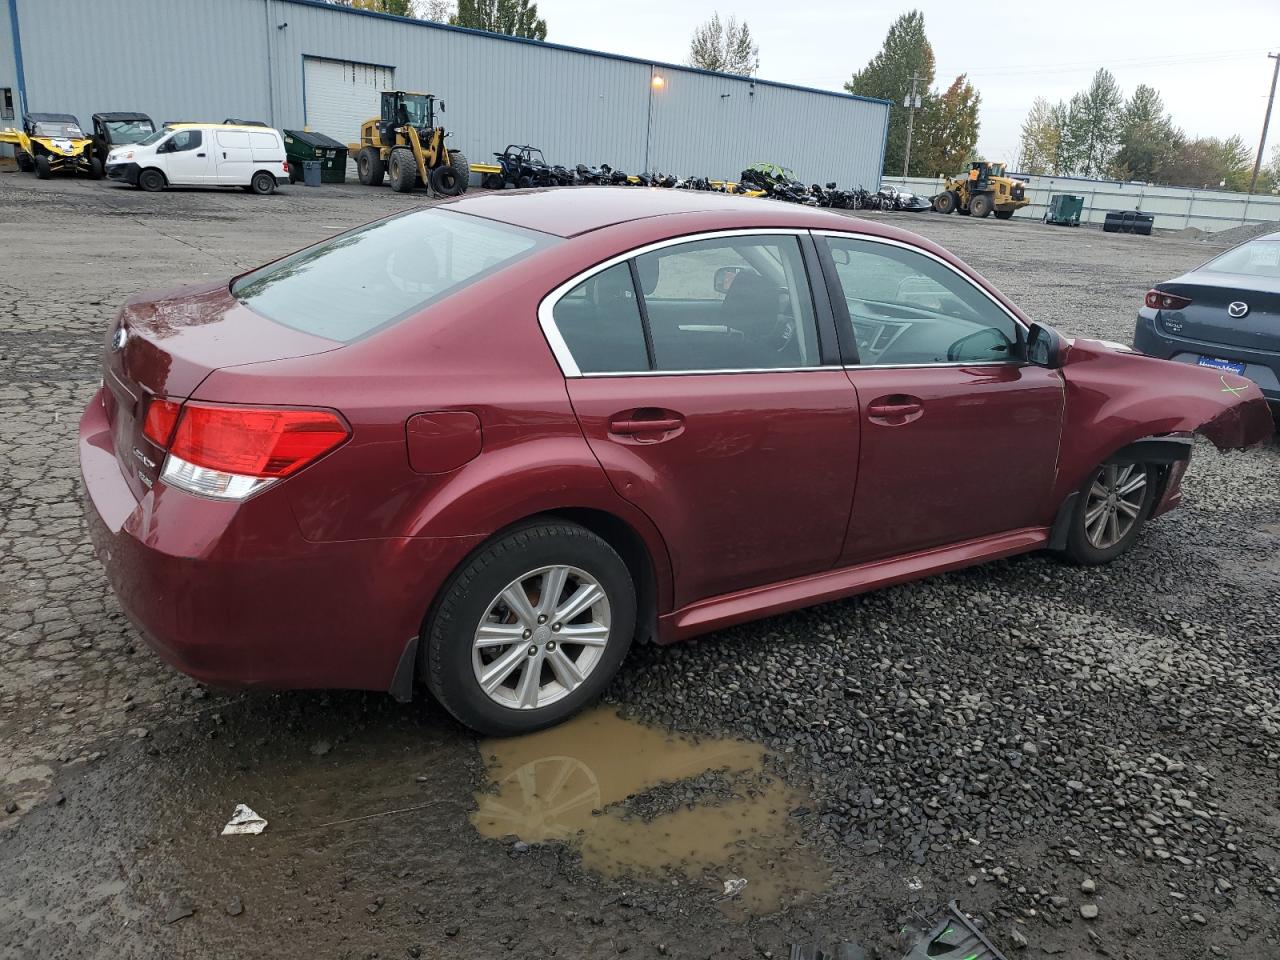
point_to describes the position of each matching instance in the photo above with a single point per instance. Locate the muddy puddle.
(642, 802)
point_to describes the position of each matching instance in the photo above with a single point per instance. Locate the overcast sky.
(1207, 59)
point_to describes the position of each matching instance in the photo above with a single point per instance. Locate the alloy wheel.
(1114, 503)
(540, 637)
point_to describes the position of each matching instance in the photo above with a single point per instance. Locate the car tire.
(444, 181)
(493, 181)
(980, 205)
(151, 180)
(1134, 485)
(262, 183)
(946, 202)
(454, 655)
(95, 169)
(44, 170)
(402, 169)
(25, 163)
(369, 167)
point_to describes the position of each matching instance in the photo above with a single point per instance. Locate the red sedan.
(488, 444)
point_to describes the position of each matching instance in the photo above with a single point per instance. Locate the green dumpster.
(303, 145)
(1064, 210)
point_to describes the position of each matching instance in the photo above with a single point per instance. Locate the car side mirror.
(724, 278)
(1045, 347)
(440, 104)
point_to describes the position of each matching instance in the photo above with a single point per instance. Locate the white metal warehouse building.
(295, 63)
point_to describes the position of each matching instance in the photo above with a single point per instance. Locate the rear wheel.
(946, 202)
(402, 169)
(25, 163)
(1003, 214)
(44, 170)
(1113, 504)
(262, 183)
(151, 181)
(530, 629)
(369, 167)
(980, 205)
(95, 169)
(493, 181)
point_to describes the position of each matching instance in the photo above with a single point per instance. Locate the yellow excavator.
(406, 146)
(985, 189)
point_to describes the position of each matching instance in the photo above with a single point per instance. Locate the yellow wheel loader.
(405, 145)
(984, 190)
(50, 143)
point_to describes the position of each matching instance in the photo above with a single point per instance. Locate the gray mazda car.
(1224, 314)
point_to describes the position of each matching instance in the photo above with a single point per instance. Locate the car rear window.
(374, 276)
(1257, 258)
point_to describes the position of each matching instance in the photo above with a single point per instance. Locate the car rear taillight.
(161, 417)
(231, 452)
(1159, 300)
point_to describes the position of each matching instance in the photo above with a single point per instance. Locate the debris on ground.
(955, 937)
(244, 820)
(180, 910)
(732, 887)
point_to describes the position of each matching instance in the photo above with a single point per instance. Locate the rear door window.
(233, 139)
(374, 276)
(599, 321)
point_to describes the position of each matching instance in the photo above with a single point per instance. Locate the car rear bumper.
(1261, 366)
(128, 172)
(233, 594)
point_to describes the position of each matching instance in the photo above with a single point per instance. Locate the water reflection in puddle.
(639, 801)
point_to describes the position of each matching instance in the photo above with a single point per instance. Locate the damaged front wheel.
(1113, 504)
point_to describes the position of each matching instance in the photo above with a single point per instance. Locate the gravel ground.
(1088, 759)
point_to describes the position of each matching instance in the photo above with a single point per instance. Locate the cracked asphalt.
(1088, 760)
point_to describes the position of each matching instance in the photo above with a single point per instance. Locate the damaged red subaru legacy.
(485, 446)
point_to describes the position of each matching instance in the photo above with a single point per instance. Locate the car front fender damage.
(1115, 397)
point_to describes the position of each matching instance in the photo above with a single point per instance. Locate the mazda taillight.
(230, 452)
(1159, 300)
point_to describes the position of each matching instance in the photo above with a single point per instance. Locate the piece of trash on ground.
(955, 937)
(732, 887)
(244, 820)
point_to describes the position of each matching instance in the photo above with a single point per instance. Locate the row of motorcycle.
(525, 166)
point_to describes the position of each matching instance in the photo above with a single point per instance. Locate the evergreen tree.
(906, 52)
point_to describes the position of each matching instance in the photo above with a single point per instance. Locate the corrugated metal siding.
(8, 73)
(209, 59)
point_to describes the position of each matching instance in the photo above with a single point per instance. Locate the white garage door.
(341, 95)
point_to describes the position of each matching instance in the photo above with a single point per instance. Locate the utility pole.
(913, 102)
(1266, 122)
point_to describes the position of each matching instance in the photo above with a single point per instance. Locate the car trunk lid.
(165, 345)
(1208, 318)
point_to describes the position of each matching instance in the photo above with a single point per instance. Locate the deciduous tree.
(1147, 139)
(724, 46)
(948, 131)
(1093, 127)
(515, 18)
(1042, 132)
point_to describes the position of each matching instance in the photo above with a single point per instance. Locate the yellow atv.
(50, 143)
(405, 144)
(984, 190)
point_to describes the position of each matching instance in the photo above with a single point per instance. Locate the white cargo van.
(203, 155)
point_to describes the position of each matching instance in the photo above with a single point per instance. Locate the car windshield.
(129, 131)
(1257, 258)
(374, 276)
(58, 128)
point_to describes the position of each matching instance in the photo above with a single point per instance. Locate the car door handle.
(895, 410)
(645, 422)
(201, 154)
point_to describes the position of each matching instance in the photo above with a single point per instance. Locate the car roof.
(247, 127)
(577, 210)
(52, 118)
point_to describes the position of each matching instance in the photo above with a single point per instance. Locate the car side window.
(729, 303)
(600, 323)
(185, 140)
(908, 308)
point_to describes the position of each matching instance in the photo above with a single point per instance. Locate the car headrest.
(649, 270)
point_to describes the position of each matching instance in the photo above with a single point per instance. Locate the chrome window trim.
(867, 238)
(718, 370)
(564, 357)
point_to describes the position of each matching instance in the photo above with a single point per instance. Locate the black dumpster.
(301, 146)
(1128, 221)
